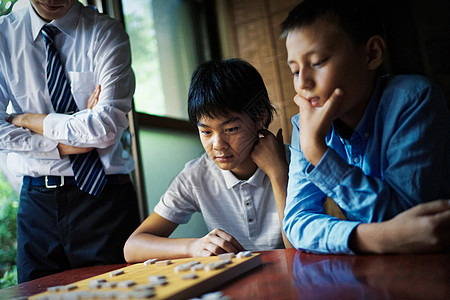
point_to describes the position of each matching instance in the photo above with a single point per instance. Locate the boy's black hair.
(360, 19)
(232, 85)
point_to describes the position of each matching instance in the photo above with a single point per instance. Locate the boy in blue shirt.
(238, 184)
(378, 146)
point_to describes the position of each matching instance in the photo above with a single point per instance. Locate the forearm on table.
(384, 238)
(140, 247)
(421, 229)
(368, 238)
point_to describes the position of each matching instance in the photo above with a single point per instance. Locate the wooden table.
(289, 274)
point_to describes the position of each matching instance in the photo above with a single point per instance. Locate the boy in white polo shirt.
(239, 184)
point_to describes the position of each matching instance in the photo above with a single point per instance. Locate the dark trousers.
(65, 228)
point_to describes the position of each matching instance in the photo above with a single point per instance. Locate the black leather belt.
(52, 182)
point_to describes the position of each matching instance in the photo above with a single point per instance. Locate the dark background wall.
(418, 38)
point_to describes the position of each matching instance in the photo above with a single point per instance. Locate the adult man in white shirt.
(59, 225)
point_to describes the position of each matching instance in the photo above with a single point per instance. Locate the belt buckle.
(53, 186)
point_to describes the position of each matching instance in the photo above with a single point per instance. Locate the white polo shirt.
(245, 209)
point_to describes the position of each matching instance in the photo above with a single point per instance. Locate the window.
(140, 25)
(167, 45)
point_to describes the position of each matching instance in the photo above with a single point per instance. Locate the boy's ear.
(375, 48)
(262, 121)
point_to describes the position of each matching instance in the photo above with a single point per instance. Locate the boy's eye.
(319, 63)
(204, 132)
(233, 129)
(295, 74)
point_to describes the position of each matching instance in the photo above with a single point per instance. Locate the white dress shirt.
(245, 209)
(94, 50)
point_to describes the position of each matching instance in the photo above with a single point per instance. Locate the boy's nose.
(303, 81)
(219, 143)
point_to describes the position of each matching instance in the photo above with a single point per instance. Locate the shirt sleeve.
(305, 223)
(17, 139)
(178, 204)
(103, 125)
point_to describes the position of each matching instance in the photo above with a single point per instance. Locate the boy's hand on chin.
(315, 123)
(269, 153)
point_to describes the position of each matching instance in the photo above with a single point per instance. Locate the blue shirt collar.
(365, 127)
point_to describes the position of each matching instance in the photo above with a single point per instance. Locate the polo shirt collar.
(231, 180)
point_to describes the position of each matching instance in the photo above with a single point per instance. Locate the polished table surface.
(289, 274)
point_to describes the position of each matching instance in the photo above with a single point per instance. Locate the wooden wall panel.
(285, 83)
(245, 11)
(252, 30)
(282, 6)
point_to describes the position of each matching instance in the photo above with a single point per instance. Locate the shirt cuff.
(50, 126)
(339, 235)
(45, 148)
(329, 172)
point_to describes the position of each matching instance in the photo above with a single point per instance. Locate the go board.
(167, 279)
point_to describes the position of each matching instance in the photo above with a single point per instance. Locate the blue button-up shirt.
(397, 157)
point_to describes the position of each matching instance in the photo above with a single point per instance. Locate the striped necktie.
(87, 167)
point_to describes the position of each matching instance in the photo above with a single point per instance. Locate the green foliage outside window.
(9, 203)
(8, 211)
(148, 97)
(6, 6)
